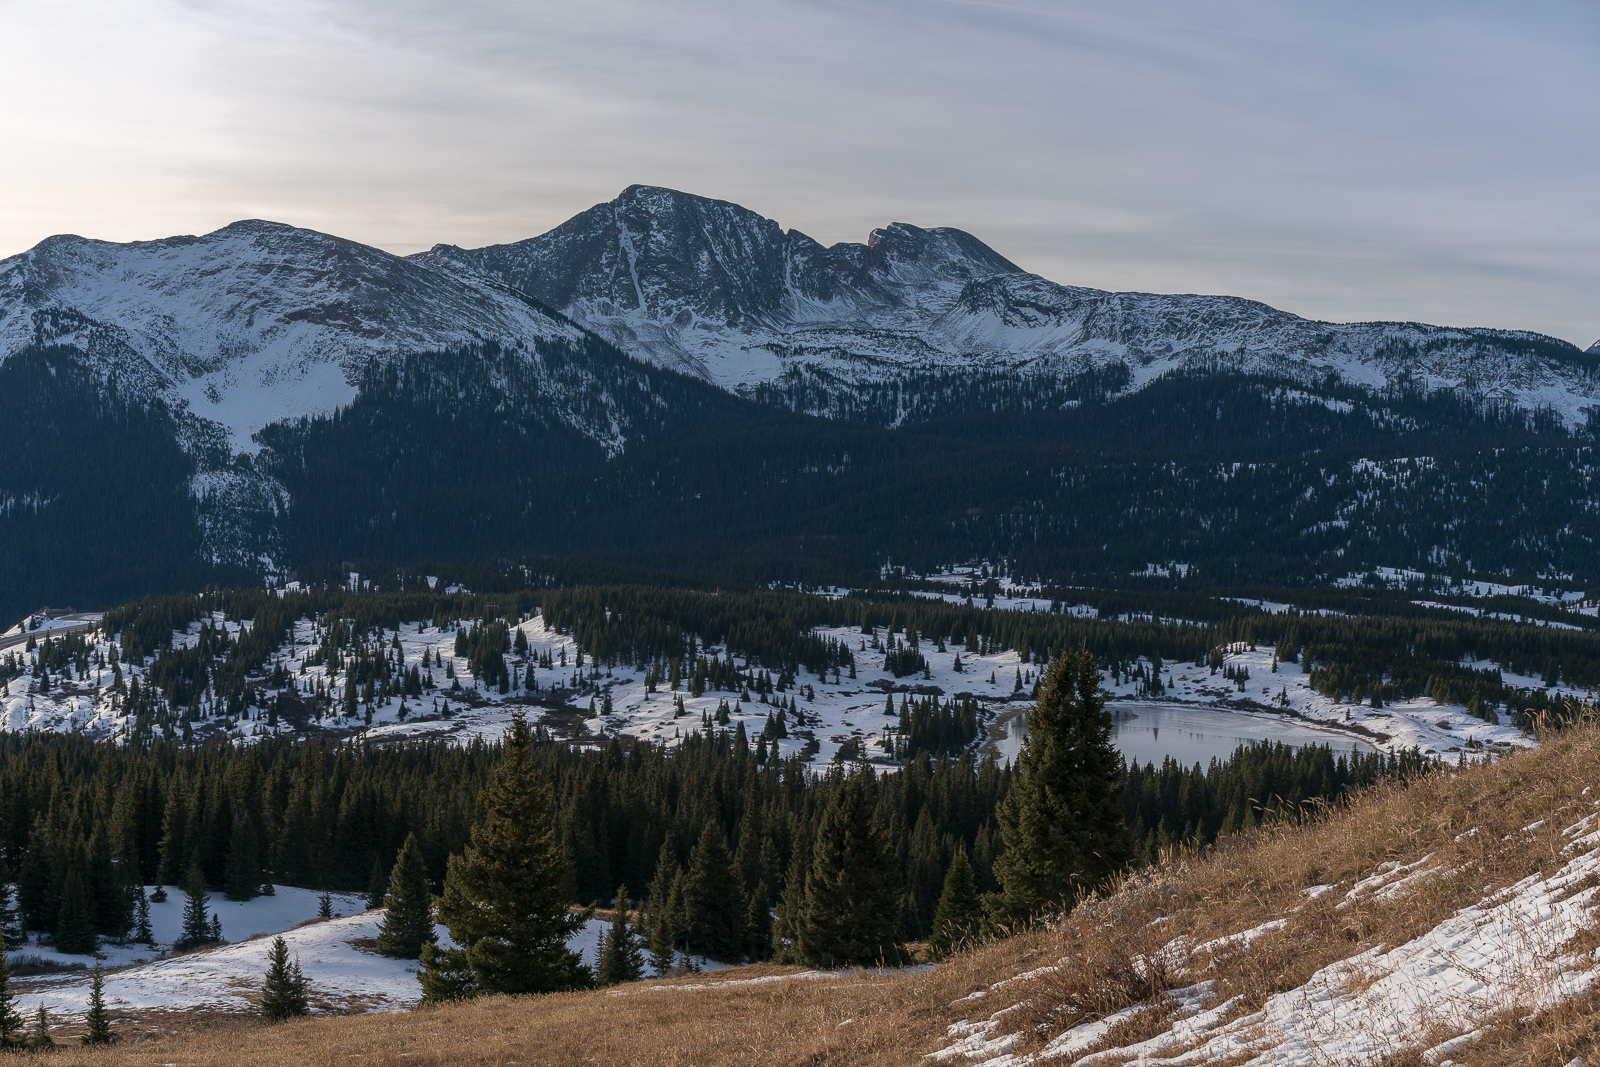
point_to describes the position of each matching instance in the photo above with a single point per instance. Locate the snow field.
(345, 973)
(1434, 729)
(846, 712)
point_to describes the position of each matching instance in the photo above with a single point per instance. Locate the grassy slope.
(862, 1018)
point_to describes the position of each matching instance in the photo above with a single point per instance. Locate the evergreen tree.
(1063, 823)
(791, 907)
(98, 1026)
(142, 931)
(75, 925)
(11, 930)
(714, 905)
(378, 884)
(446, 974)
(39, 1037)
(243, 880)
(10, 1018)
(851, 913)
(960, 912)
(758, 923)
(408, 920)
(196, 924)
(663, 927)
(284, 994)
(620, 957)
(502, 896)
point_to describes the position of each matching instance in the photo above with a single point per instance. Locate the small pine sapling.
(99, 1027)
(39, 1037)
(284, 993)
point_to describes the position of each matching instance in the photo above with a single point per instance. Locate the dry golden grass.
(1471, 827)
(718, 1018)
(1101, 950)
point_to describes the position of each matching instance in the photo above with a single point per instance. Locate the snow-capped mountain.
(255, 322)
(711, 288)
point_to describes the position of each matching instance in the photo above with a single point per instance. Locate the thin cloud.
(1351, 161)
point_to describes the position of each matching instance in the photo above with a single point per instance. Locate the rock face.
(710, 288)
(716, 290)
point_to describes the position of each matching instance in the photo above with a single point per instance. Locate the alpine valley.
(671, 383)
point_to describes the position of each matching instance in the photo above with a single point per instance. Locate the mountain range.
(713, 289)
(675, 381)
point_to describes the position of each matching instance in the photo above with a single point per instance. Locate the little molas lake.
(1150, 732)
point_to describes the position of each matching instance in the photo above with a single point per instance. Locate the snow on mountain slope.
(253, 323)
(712, 288)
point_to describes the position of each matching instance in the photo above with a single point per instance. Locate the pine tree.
(10, 916)
(791, 907)
(960, 911)
(196, 924)
(141, 918)
(98, 1026)
(502, 897)
(663, 928)
(851, 913)
(325, 905)
(1063, 822)
(75, 925)
(39, 1037)
(758, 923)
(284, 994)
(377, 885)
(620, 957)
(714, 904)
(10, 1018)
(243, 879)
(408, 920)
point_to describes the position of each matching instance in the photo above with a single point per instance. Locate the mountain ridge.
(641, 384)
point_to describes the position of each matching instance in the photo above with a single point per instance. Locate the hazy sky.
(1347, 160)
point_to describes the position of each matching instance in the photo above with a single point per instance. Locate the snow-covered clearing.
(844, 716)
(345, 972)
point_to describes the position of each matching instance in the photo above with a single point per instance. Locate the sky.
(1437, 162)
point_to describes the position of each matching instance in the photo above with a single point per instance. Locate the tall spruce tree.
(408, 918)
(97, 1027)
(662, 924)
(714, 905)
(75, 924)
(196, 923)
(378, 884)
(10, 1017)
(960, 912)
(851, 913)
(502, 897)
(1064, 822)
(243, 878)
(284, 993)
(11, 929)
(792, 906)
(620, 957)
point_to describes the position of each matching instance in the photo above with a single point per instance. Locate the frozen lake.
(1190, 735)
